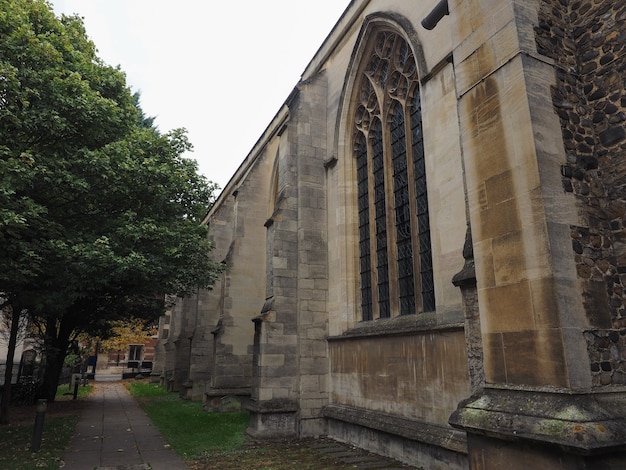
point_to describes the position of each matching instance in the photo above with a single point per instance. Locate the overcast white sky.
(220, 69)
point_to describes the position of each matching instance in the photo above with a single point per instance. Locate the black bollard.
(39, 418)
(75, 390)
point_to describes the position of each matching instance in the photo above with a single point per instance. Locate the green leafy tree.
(99, 212)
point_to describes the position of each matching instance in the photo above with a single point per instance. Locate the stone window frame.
(387, 91)
(273, 203)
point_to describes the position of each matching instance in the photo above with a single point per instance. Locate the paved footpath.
(113, 433)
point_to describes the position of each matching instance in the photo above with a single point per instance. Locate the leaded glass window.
(395, 259)
(364, 228)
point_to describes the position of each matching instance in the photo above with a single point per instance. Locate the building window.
(395, 259)
(135, 352)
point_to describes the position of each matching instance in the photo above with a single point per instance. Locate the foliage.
(57, 100)
(16, 440)
(65, 392)
(72, 359)
(125, 333)
(99, 212)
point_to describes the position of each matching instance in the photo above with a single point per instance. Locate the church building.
(425, 250)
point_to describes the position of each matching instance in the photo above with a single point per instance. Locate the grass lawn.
(190, 430)
(217, 441)
(64, 392)
(59, 422)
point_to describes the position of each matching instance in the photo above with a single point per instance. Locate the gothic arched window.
(395, 259)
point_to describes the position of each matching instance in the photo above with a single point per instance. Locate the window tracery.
(395, 259)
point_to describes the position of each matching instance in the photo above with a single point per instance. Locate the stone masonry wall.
(587, 41)
(312, 257)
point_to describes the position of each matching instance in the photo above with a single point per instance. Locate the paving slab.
(354, 456)
(113, 433)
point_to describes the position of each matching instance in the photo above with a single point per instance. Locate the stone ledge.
(273, 406)
(218, 392)
(412, 429)
(581, 423)
(403, 325)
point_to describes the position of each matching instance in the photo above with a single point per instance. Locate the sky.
(219, 69)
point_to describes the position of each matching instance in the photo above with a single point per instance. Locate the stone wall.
(587, 41)
(607, 351)
(274, 392)
(310, 109)
(291, 359)
(226, 332)
(419, 375)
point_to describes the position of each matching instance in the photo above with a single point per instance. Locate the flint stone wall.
(587, 40)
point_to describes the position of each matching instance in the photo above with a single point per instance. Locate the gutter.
(440, 10)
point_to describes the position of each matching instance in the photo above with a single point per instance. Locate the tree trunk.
(51, 376)
(8, 373)
(56, 346)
